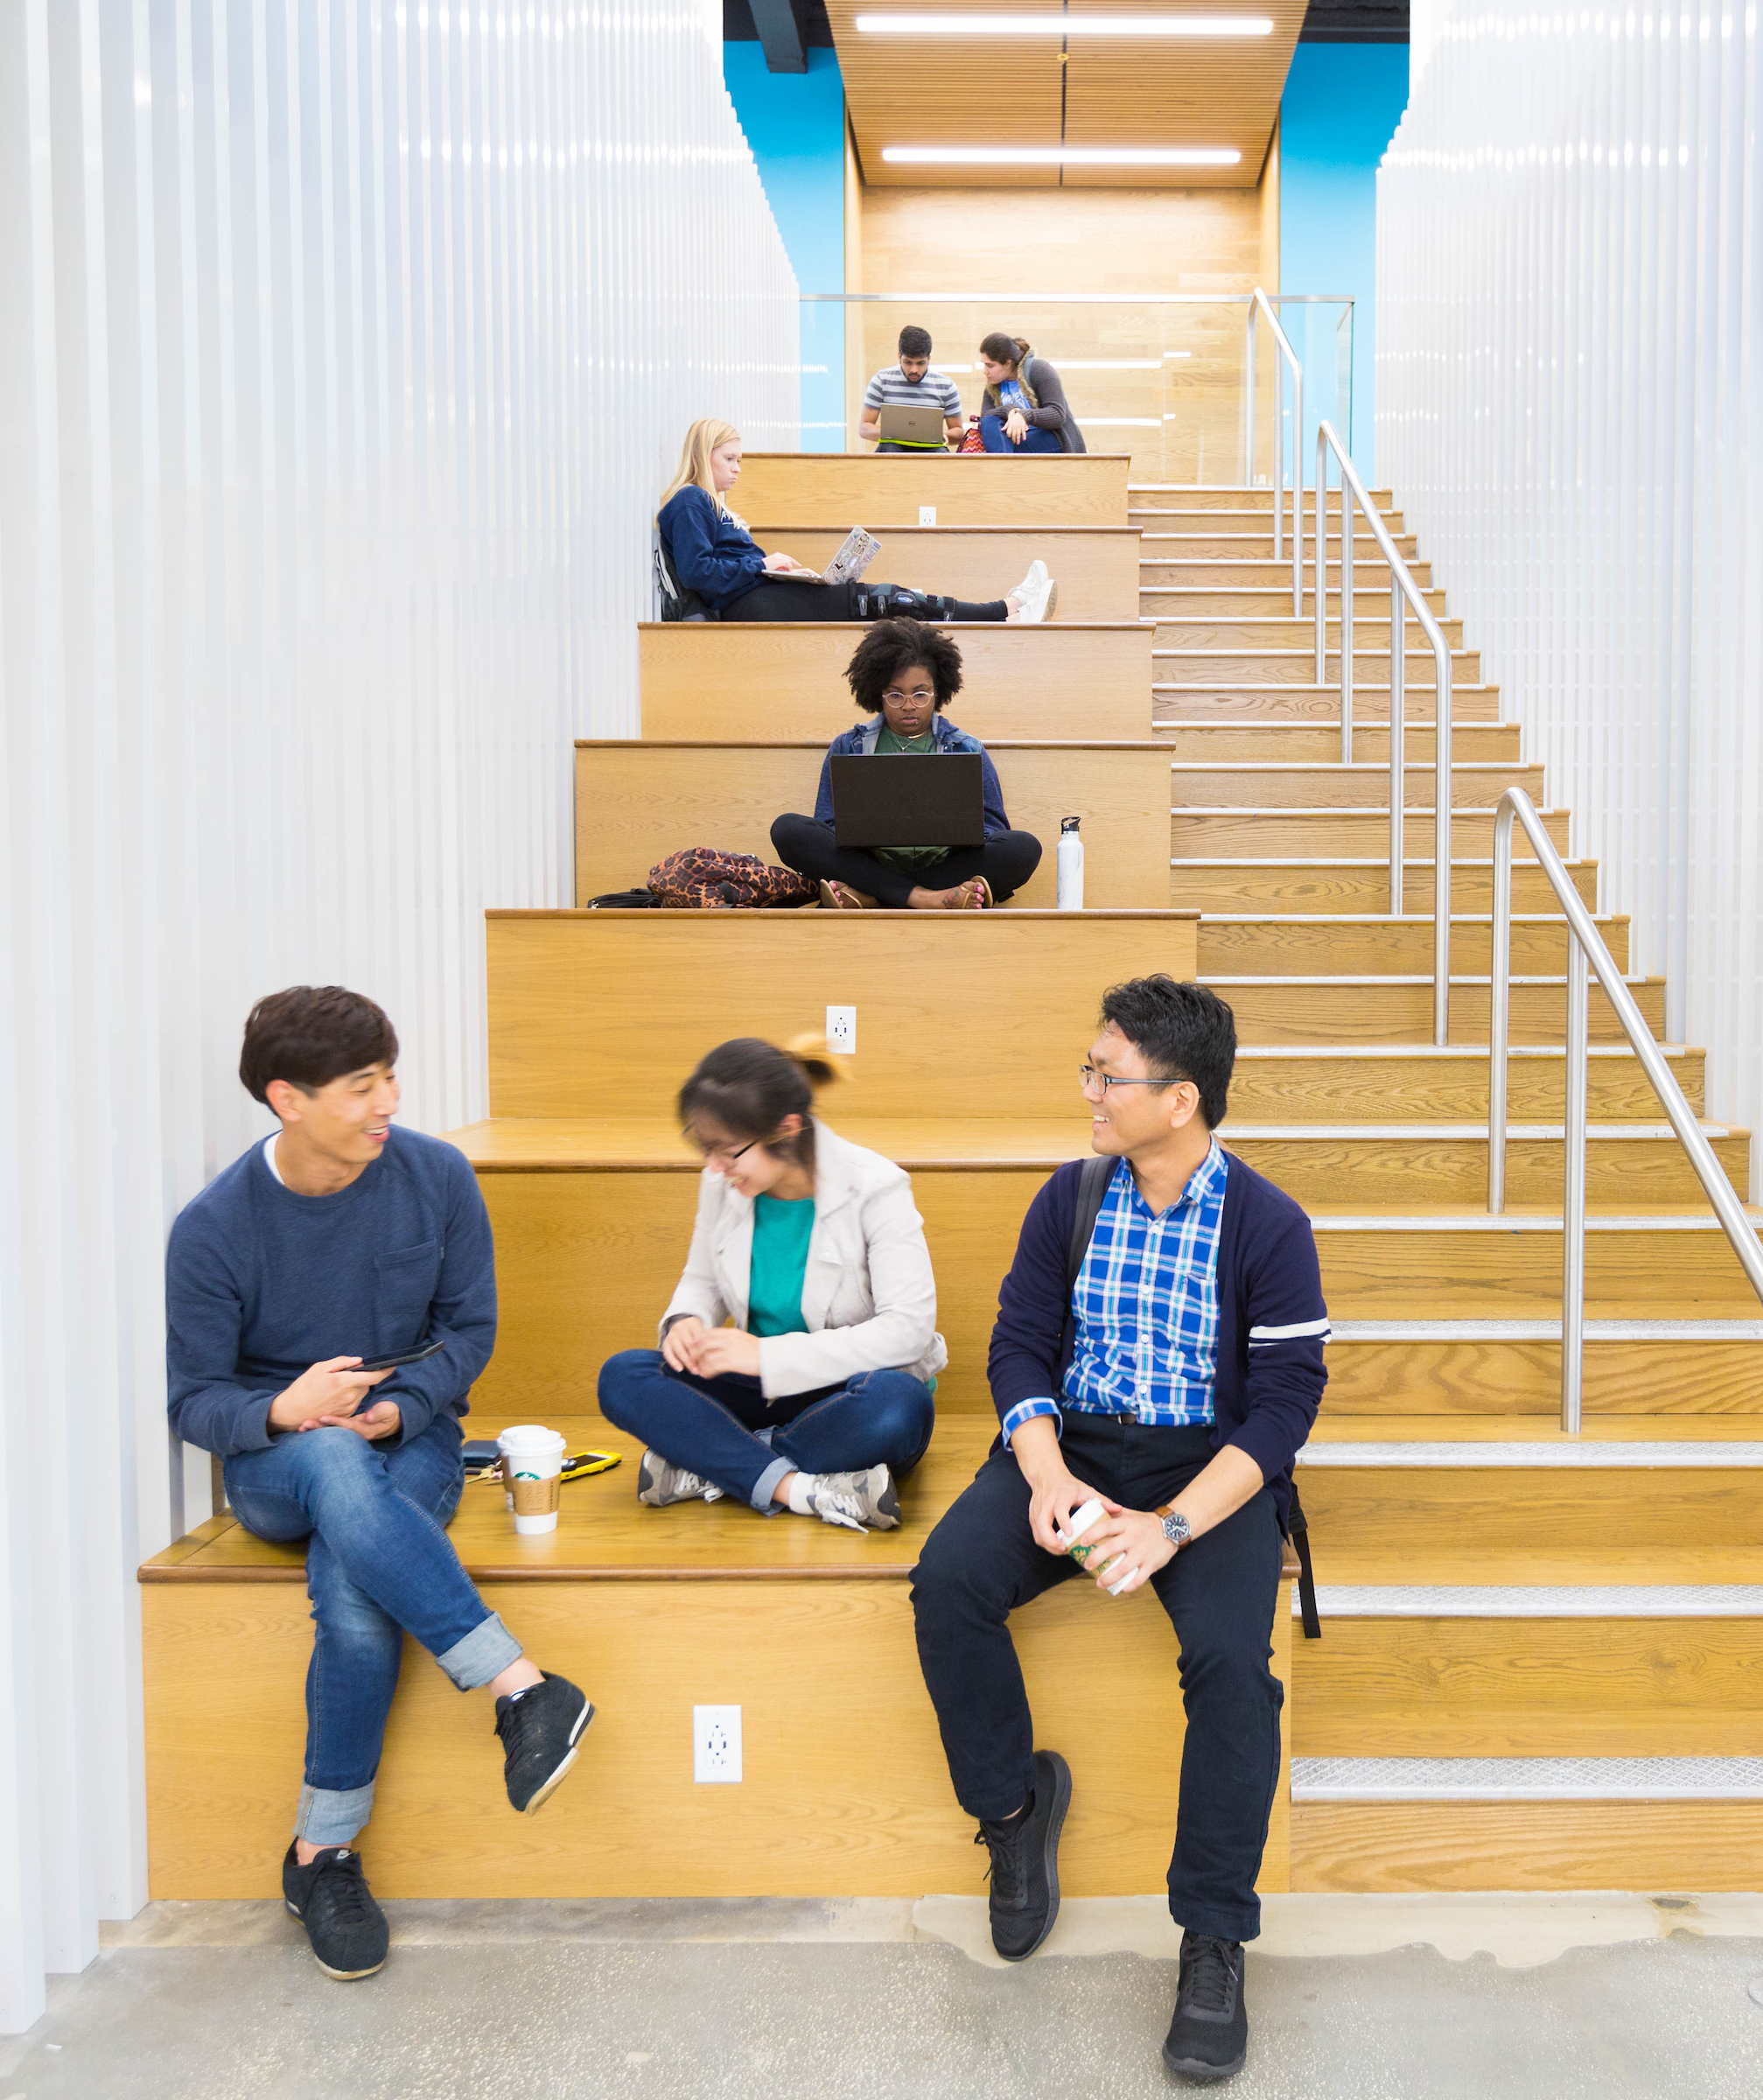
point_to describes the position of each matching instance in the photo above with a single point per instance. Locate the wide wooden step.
(760, 681)
(1095, 566)
(1302, 888)
(1170, 598)
(1387, 1009)
(1260, 700)
(1187, 538)
(1163, 563)
(636, 803)
(1416, 1084)
(1298, 667)
(1253, 501)
(1303, 743)
(1299, 784)
(1234, 631)
(1327, 834)
(835, 490)
(1365, 944)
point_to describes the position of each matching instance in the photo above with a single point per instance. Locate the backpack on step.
(673, 600)
(701, 878)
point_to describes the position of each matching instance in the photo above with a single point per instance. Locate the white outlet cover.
(927, 514)
(841, 1030)
(716, 1745)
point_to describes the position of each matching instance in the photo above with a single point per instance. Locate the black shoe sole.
(1203, 2074)
(1055, 1823)
(339, 1976)
(545, 1792)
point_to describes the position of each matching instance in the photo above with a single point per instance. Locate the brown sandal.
(840, 896)
(976, 895)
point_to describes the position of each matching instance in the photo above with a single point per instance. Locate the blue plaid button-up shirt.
(1146, 1306)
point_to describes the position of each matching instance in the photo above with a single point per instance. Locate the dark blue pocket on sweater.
(407, 1280)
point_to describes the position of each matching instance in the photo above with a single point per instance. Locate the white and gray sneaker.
(1037, 593)
(860, 1502)
(660, 1482)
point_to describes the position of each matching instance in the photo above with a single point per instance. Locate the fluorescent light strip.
(1097, 364)
(1065, 26)
(1068, 156)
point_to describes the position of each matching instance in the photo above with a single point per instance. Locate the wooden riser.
(1281, 743)
(1208, 785)
(1096, 569)
(1312, 887)
(1169, 597)
(1270, 1011)
(1175, 701)
(1249, 502)
(636, 803)
(598, 1014)
(1272, 1086)
(758, 682)
(1194, 666)
(1370, 634)
(1159, 564)
(1404, 1173)
(1488, 1378)
(1337, 835)
(1191, 539)
(1392, 1847)
(833, 490)
(1500, 1687)
(1314, 947)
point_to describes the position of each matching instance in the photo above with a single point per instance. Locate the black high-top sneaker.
(1208, 2038)
(1024, 1862)
(331, 1900)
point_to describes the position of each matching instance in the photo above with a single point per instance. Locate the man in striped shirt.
(910, 384)
(1158, 1347)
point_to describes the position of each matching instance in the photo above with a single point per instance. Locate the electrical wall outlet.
(716, 1745)
(927, 514)
(841, 1030)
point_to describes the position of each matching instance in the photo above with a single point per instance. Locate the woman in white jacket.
(819, 1395)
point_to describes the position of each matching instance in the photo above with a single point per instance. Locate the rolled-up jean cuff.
(332, 1815)
(767, 1482)
(485, 1652)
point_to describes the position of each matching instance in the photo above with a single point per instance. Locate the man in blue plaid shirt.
(1174, 1379)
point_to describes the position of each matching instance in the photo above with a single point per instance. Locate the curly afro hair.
(893, 646)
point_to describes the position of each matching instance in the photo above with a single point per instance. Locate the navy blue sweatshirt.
(710, 554)
(262, 1283)
(1271, 1320)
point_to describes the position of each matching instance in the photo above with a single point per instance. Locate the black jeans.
(807, 845)
(855, 601)
(982, 1562)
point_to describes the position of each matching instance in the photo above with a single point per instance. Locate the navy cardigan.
(1271, 1320)
(710, 554)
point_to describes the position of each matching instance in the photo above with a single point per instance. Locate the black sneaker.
(1024, 1862)
(1208, 2038)
(541, 1732)
(331, 1900)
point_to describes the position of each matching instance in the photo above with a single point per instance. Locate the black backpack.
(1092, 1186)
(674, 601)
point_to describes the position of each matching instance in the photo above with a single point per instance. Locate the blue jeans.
(378, 1566)
(723, 1428)
(992, 436)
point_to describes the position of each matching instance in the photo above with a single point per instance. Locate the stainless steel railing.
(1584, 944)
(1403, 592)
(1259, 303)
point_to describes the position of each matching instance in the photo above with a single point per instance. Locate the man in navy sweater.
(338, 1239)
(1175, 1380)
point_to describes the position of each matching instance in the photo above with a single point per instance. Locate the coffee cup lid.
(530, 1436)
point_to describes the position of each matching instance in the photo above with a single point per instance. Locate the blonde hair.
(694, 471)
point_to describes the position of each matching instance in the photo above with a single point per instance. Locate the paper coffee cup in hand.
(532, 1474)
(1086, 1514)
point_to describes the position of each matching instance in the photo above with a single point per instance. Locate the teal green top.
(781, 1261)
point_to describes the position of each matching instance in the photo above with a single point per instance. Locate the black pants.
(803, 844)
(981, 1563)
(855, 601)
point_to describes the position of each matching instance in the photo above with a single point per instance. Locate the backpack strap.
(1092, 1186)
(1306, 1580)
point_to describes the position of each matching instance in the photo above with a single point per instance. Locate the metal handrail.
(1403, 592)
(1584, 944)
(1258, 303)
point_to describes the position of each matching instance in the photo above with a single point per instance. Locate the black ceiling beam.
(780, 36)
(1355, 22)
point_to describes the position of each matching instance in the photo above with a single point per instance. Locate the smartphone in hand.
(404, 1356)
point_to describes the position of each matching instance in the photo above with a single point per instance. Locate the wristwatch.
(1176, 1527)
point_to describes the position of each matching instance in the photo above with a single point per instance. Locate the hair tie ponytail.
(819, 1063)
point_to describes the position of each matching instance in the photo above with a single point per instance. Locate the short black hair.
(892, 646)
(1182, 1031)
(310, 1035)
(914, 341)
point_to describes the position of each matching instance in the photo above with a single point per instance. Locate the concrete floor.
(1364, 1998)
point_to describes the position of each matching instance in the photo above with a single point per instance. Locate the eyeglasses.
(713, 1153)
(1087, 1076)
(920, 693)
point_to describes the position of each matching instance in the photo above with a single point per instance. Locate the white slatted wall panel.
(1569, 391)
(343, 350)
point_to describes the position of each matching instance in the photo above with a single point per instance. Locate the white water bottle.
(1068, 866)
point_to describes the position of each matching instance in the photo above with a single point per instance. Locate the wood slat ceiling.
(1120, 91)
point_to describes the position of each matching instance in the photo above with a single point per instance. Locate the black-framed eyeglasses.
(1087, 1076)
(722, 1151)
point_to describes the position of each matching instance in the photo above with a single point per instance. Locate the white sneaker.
(860, 1502)
(660, 1482)
(1037, 593)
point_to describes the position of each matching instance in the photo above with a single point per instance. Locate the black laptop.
(910, 798)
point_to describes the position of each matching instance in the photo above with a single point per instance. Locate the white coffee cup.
(1082, 1519)
(532, 1470)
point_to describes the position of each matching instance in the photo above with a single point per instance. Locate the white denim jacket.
(868, 1294)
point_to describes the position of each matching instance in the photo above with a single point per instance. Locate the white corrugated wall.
(1570, 392)
(343, 348)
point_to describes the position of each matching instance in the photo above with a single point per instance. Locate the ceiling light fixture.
(904, 24)
(1069, 156)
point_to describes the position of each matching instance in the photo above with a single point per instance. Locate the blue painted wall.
(795, 124)
(1340, 109)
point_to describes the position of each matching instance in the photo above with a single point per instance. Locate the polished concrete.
(1414, 1998)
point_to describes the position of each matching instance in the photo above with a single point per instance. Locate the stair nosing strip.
(1689, 1456)
(1513, 1600)
(1526, 1779)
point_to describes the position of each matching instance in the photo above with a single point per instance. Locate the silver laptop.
(912, 426)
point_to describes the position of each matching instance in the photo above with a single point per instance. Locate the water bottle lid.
(1068, 823)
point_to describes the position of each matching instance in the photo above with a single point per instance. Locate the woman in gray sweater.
(1024, 409)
